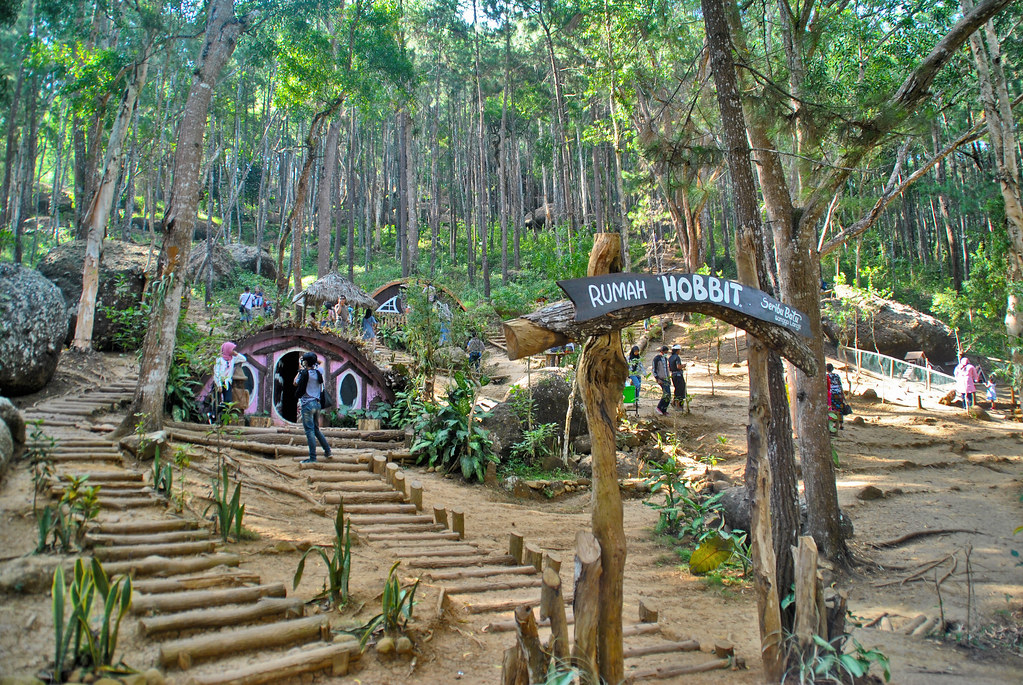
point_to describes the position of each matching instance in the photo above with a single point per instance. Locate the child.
(992, 392)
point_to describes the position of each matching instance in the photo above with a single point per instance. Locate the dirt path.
(916, 459)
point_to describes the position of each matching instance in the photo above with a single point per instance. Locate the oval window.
(348, 392)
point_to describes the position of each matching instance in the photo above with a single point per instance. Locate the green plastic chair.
(629, 396)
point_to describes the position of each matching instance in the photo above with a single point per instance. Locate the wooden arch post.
(601, 375)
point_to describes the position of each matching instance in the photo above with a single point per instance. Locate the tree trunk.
(602, 372)
(325, 199)
(222, 31)
(99, 211)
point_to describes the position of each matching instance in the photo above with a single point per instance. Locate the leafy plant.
(827, 662)
(93, 646)
(396, 603)
(450, 435)
(40, 447)
(163, 475)
(228, 512)
(521, 401)
(339, 563)
(182, 459)
(537, 443)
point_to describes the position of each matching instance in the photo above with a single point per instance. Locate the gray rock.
(246, 257)
(131, 443)
(582, 444)
(735, 507)
(20, 680)
(870, 493)
(503, 426)
(29, 575)
(550, 400)
(6, 448)
(11, 415)
(33, 323)
(200, 263)
(124, 270)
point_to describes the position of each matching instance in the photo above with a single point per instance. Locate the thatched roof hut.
(326, 290)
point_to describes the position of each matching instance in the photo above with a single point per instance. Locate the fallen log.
(194, 599)
(335, 657)
(183, 653)
(220, 617)
(233, 578)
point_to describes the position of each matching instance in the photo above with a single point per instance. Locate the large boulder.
(505, 429)
(246, 257)
(735, 507)
(550, 400)
(891, 328)
(201, 261)
(125, 269)
(11, 416)
(6, 449)
(33, 324)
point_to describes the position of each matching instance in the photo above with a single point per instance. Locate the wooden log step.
(151, 526)
(86, 450)
(360, 476)
(661, 648)
(404, 538)
(510, 625)
(370, 520)
(201, 619)
(459, 551)
(505, 605)
(482, 573)
(364, 498)
(146, 538)
(663, 672)
(164, 567)
(380, 509)
(231, 578)
(398, 528)
(123, 503)
(331, 465)
(334, 657)
(168, 602)
(112, 486)
(87, 442)
(108, 476)
(182, 653)
(492, 585)
(110, 492)
(113, 457)
(363, 485)
(169, 549)
(453, 562)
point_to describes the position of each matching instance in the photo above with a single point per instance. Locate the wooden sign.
(599, 295)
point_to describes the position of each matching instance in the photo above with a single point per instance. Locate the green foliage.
(537, 443)
(521, 400)
(392, 337)
(38, 451)
(449, 434)
(61, 528)
(396, 605)
(227, 508)
(828, 662)
(338, 563)
(131, 323)
(93, 645)
(163, 476)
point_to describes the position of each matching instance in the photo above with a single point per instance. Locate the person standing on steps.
(223, 373)
(966, 382)
(636, 369)
(678, 377)
(475, 348)
(663, 379)
(311, 399)
(245, 303)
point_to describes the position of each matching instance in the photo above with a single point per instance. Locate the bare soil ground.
(936, 468)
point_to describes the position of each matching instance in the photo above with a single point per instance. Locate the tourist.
(257, 300)
(369, 322)
(663, 379)
(341, 315)
(678, 377)
(992, 392)
(636, 369)
(836, 395)
(311, 399)
(223, 372)
(475, 348)
(966, 382)
(245, 304)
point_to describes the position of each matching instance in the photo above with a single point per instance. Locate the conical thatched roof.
(326, 290)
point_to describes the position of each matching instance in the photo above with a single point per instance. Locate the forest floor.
(935, 468)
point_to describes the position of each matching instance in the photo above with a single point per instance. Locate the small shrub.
(339, 563)
(228, 512)
(450, 435)
(537, 443)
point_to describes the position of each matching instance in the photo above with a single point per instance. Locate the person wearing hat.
(663, 378)
(677, 369)
(311, 399)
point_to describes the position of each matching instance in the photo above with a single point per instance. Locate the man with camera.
(312, 399)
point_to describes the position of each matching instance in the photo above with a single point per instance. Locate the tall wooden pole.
(602, 373)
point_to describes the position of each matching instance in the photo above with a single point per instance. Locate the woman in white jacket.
(223, 370)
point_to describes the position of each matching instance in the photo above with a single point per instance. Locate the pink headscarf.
(227, 350)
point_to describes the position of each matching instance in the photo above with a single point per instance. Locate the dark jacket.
(303, 381)
(675, 364)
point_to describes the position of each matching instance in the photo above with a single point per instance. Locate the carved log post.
(601, 376)
(552, 606)
(807, 619)
(529, 641)
(585, 605)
